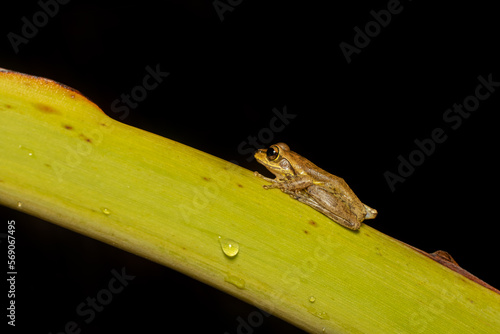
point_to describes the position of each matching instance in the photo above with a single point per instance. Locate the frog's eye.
(272, 153)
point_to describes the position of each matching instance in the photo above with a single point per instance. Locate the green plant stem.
(65, 161)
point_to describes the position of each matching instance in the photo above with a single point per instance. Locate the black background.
(353, 120)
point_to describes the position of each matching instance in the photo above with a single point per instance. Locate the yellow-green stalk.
(65, 161)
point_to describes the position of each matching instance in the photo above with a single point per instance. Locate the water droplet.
(235, 280)
(106, 211)
(322, 315)
(229, 246)
(312, 299)
(19, 204)
(27, 150)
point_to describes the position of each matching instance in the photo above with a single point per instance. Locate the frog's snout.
(259, 154)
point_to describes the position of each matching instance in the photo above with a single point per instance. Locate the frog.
(313, 186)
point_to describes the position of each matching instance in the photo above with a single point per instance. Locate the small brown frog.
(309, 184)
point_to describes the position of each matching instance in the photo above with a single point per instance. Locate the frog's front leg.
(274, 182)
(263, 177)
(286, 185)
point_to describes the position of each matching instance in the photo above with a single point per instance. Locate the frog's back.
(322, 175)
(336, 185)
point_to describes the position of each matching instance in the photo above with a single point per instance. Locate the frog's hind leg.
(370, 212)
(309, 199)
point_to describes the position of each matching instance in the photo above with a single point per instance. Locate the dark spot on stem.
(67, 127)
(87, 139)
(45, 108)
(239, 185)
(206, 178)
(313, 223)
